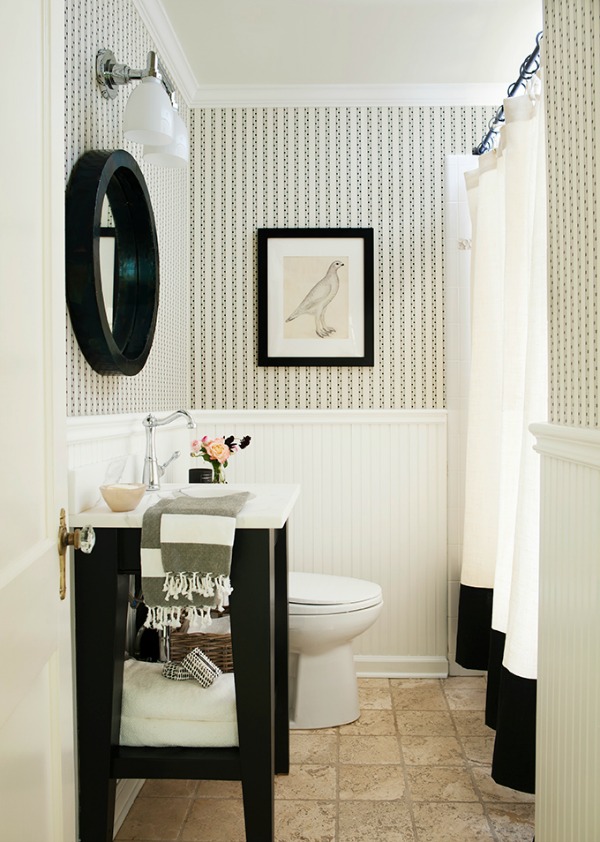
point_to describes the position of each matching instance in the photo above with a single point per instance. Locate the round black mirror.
(111, 261)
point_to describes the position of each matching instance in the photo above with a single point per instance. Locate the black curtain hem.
(474, 622)
(513, 764)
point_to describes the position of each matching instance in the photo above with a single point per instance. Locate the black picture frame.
(301, 272)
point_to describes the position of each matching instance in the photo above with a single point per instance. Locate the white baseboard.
(401, 666)
(456, 670)
(127, 791)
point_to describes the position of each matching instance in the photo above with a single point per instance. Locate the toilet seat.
(319, 593)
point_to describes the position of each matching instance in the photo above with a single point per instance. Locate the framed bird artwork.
(315, 296)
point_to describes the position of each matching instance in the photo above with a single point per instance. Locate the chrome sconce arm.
(110, 74)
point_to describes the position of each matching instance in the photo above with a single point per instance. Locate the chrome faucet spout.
(152, 421)
(152, 470)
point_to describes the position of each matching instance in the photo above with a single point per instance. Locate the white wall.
(372, 505)
(568, 736)
(567, 808)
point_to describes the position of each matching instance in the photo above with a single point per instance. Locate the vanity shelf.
(259, 633)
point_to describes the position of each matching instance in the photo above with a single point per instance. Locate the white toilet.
(326, 613)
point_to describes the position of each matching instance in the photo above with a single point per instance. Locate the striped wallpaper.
(572, 50)
(272, 167)
(326, 167)
(92, 122)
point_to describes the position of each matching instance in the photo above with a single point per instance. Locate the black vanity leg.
(252, 638)
(282, 714)
(100, 620)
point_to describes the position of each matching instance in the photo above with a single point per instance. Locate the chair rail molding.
(373, 504)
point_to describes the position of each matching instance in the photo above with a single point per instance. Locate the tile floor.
(413, 768)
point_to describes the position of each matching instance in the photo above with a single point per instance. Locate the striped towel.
(186, 557)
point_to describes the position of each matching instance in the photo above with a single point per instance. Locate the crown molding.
(196, 95)
(168, 46)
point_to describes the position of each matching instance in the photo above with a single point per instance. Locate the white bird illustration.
(317, 300)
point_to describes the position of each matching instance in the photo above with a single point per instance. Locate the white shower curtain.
(508, 391)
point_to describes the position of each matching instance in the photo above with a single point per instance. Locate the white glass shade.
(176, 153)
(149, 114)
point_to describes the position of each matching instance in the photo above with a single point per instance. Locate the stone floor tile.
(214, 820)
(380, 683)
(465, 698)
(491, 791)
(366, 821)
(432, 751)
(308, 782)
(168, 789)
(440, 783)
(361, 781)
(422, 697)
(451, 823)
(412, 683)
(357, 750)
(371, 783)
(314, 730)
(313, 748)
(155, 819)
(471, 723)
(376, 697)
(512, 822)
(219, 789)
(476, 682)
(424, 723)
(479, 749)
(375, 722)
(305, 821)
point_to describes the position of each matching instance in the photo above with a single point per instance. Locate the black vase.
(201, 474)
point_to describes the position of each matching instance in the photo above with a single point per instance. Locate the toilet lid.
(321, 593)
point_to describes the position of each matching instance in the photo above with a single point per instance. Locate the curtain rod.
(528, 69)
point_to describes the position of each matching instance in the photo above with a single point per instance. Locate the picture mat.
(351, 252)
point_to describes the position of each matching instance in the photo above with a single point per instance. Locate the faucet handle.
(162, 468)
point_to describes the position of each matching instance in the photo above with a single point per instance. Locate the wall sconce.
(151, 117)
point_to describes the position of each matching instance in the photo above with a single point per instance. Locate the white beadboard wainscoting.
(568, 732)
(372, 505)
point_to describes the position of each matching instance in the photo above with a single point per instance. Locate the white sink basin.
(208, 489)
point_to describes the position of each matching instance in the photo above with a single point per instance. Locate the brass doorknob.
(82, 539)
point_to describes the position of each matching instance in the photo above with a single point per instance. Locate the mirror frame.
(124, 347)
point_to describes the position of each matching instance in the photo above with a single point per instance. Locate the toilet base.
(323, 688)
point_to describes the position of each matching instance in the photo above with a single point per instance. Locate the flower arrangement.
(218, 452)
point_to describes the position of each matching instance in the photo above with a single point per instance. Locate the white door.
(37, 780)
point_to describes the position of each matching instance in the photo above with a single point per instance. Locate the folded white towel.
(148, 695)
(160, 733)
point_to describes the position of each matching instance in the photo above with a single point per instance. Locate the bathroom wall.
(380, 167)
(568, 778)
(572, 49)
(92, 122)
(276, 167)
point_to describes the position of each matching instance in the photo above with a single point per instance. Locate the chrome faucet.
(152, 470)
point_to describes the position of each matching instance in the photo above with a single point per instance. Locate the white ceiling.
(245, 43)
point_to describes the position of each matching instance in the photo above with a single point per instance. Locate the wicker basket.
(217, 647)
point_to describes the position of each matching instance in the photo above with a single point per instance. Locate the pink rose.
(217, 450)
(196, 447)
